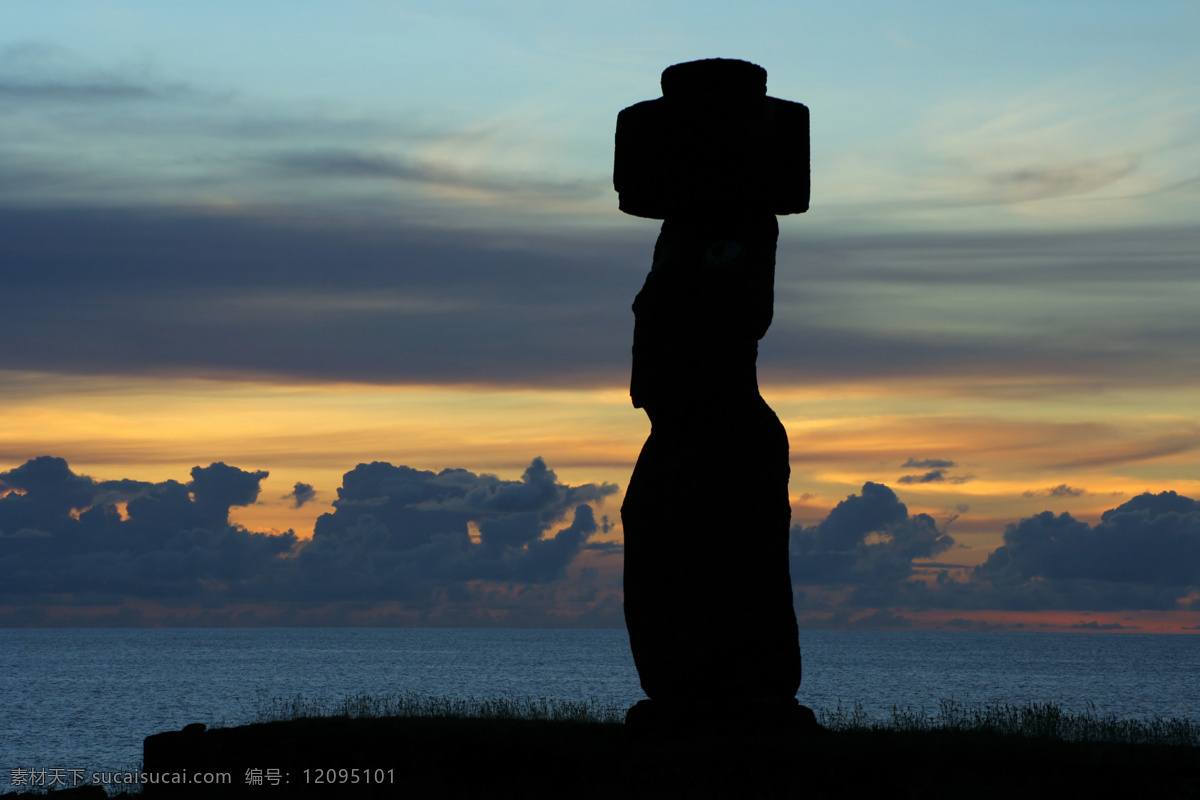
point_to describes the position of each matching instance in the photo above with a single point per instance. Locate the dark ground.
(484, 758)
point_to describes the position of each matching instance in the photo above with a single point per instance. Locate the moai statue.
(708, 597)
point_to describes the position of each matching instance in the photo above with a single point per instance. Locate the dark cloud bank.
(1143, 554)
(126, 291)
(396, 534)
(427, 541)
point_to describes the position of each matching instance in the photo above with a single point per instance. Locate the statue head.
(713, 143)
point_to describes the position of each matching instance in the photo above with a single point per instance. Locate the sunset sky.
(293, 238)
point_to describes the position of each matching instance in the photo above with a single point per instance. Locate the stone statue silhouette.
(708, 597)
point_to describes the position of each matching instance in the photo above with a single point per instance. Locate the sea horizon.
(87, 697)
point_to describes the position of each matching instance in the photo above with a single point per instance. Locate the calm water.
(82, 698)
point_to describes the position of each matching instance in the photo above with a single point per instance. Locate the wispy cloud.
(33, 72)
(928, 463)
(377, 166)
(1086, 147)
(1062, 490)
(935, 476)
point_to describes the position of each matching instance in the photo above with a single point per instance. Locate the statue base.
(741, 717)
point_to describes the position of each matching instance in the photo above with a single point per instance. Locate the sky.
(261, 258)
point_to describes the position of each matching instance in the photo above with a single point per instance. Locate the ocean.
(85, 698)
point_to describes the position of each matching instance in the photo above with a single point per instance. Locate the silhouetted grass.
(1036, 720)
(410, 704)
(451, 747)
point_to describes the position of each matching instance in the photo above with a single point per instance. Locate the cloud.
(1020, 184)
(408, 304)
(933, 476)
(218, 487)
(63, 534)
(57, 91)
(981, 625)
(1152, 540)
(355, 164)
(397, 308)
(456, 545)
(39, 72)
(1062, 490)
(1109, 626)
(978, 288)
(398, 531)
(1143, 554)
(105, 135)
(396, 534)
(928, 463)
(301, 493)
(837, 550)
